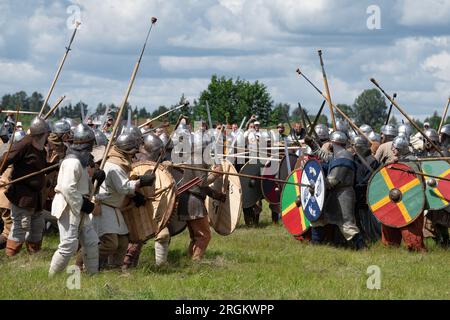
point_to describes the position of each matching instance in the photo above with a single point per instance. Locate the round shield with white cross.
(313, 190)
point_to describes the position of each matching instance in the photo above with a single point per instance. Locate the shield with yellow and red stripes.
(395, 195)
(437, 191)
(292, 214)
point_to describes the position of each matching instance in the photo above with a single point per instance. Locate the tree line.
(230, 100)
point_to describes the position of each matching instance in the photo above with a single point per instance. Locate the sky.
(404, 45)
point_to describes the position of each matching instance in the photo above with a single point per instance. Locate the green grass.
(262, 263)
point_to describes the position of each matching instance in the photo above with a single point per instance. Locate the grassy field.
(262, 263)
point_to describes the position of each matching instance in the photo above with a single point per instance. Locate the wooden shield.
(224, 216)
(395, 197)
(312, 203)
(284, 171)
(271, 190)
(148, 220)
(294, 219)
(175, 225)
(251, 188)
(437, 192)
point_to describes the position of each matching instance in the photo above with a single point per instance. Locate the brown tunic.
(26, 159)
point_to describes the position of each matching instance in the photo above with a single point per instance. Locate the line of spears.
(111, 195)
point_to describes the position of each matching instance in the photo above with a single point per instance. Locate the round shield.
(312, 197)
(395, 197)
(294, 219)
(271, 189)
(175, 225)
(437, 192)
(224, 216)
(147, 221)
(251, 188)
(284, 168)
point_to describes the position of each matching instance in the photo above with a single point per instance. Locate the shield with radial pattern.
(395, 195)
(437, 192)
(294, 220)
(312, 196)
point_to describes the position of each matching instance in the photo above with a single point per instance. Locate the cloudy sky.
(262, 40)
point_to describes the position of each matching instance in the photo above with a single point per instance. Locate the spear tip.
(154, 19)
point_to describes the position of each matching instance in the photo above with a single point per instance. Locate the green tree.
(434, 120)
(345, 108)
(370, 108)
(280, 113)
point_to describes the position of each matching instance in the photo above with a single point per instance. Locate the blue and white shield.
(312, 198)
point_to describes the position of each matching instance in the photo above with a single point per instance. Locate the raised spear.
(52, 86)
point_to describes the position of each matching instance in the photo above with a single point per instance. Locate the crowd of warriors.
(94, 230)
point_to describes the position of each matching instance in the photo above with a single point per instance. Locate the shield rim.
(367, 197)
(306, 230)
(240, 205)
(324, 189)
(427, 187)
(262, 181)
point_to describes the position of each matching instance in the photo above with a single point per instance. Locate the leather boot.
(33, 247)
(13, 247)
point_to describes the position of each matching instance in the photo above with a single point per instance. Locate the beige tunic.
(385, 154)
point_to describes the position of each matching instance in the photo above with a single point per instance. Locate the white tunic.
(112, 194)
(73, 182)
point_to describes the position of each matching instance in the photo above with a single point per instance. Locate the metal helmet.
(390, 130)
(127, 142)
(445, 130)
(83, 134)
(100, 138)
(432, 135)
(339, 137)
(19, 135)
(401, 144)
(405, 130)
(153, 145)
(61, 127)
(366, 129)
(361, 144)
(373, 136)
(382, 128)
(322, 132)
(164, 137)
(39, 126)
(72, 123)
(352, 134)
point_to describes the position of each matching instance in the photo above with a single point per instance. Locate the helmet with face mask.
(361, 145)
(322, 132)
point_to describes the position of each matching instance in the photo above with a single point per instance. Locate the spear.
(52, 167)
(54, 107)
(444, 115)
(185, 104)
(52, 86)
(316, 119)
(327, 89)
(390, 110)
(407, 117)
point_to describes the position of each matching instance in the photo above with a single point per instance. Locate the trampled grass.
(261, 263)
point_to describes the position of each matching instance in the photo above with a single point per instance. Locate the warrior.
(411, 234)
(375, 140)
(437, 222)
(110, 224)
(339, 208)
(27, 156)
(191, 206)
(150, 150)
(384, 153)
(72, 201)
(366, 221)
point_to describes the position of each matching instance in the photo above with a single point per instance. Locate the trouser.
(275, 208)
(27, 226)
(112, 249)
(161, 249)
(200, 236)
(251, 215)
(412, 235)
(70, 238)
(368, 224)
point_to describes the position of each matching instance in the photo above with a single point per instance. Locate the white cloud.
(438, 65)
(424, 13)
